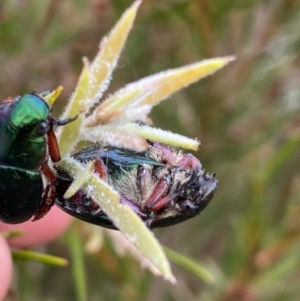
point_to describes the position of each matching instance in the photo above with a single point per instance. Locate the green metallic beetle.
(27, 140)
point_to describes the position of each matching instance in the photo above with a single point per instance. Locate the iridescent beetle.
(27, 182)
(163, 187)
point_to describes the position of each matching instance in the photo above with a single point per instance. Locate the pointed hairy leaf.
(68, 135)
(81, 178)
(117, 136)
(124, 218)
(163, 84)
(52, 96)
(161, 136)
(158, 87)
(112, 108)
(123, 246)
(110, 49)
(135, 114)
(134, 229)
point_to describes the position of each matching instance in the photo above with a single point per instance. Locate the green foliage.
(246, 117)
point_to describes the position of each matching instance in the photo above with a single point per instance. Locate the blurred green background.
(246, 117)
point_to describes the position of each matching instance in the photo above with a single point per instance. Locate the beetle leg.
(154, 202)
(100, 168)
(53, 146)
(188, 161)
(52, 141)
(161, 203)
(49, 194)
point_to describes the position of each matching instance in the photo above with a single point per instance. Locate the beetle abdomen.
(20, 194)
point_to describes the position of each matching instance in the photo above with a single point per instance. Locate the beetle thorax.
(25, 147)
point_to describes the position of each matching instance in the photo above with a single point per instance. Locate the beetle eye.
(43, 128)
